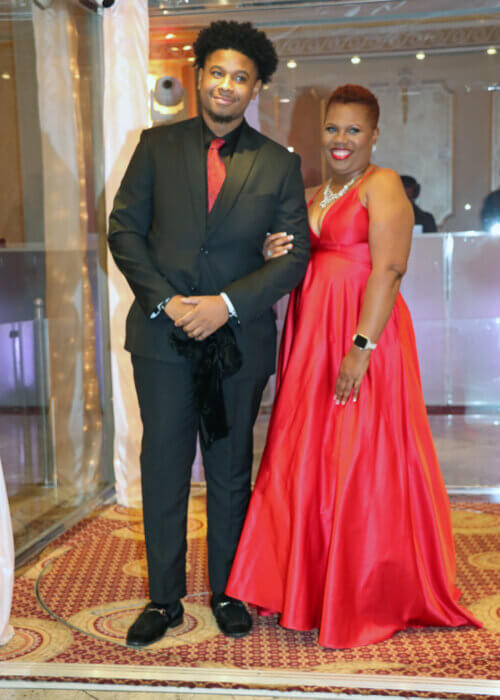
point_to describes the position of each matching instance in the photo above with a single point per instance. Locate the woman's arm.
(391, 223)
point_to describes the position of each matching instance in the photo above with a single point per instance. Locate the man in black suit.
(187, 230)
(422, 218)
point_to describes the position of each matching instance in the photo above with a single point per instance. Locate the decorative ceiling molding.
(325, 42)
(328, 40)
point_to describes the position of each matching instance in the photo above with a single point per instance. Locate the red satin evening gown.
(348, 528)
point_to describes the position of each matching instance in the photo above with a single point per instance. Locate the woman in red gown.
(348, 529)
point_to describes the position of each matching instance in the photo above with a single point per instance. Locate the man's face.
(227, 82)
(410, 192)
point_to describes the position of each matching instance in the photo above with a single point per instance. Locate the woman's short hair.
(238, 36)
(356, 94)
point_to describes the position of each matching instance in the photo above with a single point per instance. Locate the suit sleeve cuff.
(159, 308)
(230, 307)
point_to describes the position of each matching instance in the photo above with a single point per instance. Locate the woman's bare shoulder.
(384, 176)
(379, 182)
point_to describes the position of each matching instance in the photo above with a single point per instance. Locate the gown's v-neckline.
(332, 205)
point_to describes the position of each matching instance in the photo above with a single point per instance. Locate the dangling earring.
(374, 148)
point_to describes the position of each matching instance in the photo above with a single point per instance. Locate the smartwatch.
(362, 342)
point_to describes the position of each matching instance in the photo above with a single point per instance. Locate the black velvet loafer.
(231, 615)
(152, 624)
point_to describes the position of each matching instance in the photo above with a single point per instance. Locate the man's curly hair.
(239, 36)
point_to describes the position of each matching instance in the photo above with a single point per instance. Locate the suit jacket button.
(204, 251)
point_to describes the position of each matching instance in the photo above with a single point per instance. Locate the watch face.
(360, 341)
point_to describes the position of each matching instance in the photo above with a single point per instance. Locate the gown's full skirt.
(348, 528)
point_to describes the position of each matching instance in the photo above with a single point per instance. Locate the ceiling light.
(291, 64)
(188, 47)
(285, 100)
(174, 48)
(468, 207)
(191, 58)
(5, 76)
(420, 56)
(170, 36)
(355, 60)
(491, 51)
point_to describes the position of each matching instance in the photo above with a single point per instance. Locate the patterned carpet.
(73, 606)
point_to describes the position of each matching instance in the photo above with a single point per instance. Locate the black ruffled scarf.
(212, 360)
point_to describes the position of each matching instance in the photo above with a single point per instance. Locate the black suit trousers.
(170, 426)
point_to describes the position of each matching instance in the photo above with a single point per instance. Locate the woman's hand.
(352, 370)
(276, 245)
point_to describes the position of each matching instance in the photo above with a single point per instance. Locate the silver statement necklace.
(329, 196)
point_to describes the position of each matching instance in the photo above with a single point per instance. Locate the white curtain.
(6, 563)
(126, 43)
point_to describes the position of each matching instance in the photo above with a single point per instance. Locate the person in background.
(422, 218)
(490, 212)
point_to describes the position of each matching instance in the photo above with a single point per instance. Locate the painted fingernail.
(284, 233)
(285, 252)
(291, 236)
(344, 403)
(354, 400)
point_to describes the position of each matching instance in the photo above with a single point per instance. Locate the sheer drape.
(126, 42)
(68, 301)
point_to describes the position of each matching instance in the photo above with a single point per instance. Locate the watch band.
(363, 342)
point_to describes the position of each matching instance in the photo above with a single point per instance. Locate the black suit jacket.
(165, 243)
(424, 219)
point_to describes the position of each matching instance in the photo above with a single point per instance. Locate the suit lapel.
(239, 169)
(194, 155)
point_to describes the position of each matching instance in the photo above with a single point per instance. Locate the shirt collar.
(231, 138)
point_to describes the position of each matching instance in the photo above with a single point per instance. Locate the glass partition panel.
(474, 302)
(453, 291)
(55, 429)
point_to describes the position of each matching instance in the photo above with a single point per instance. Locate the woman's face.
(348, 138)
